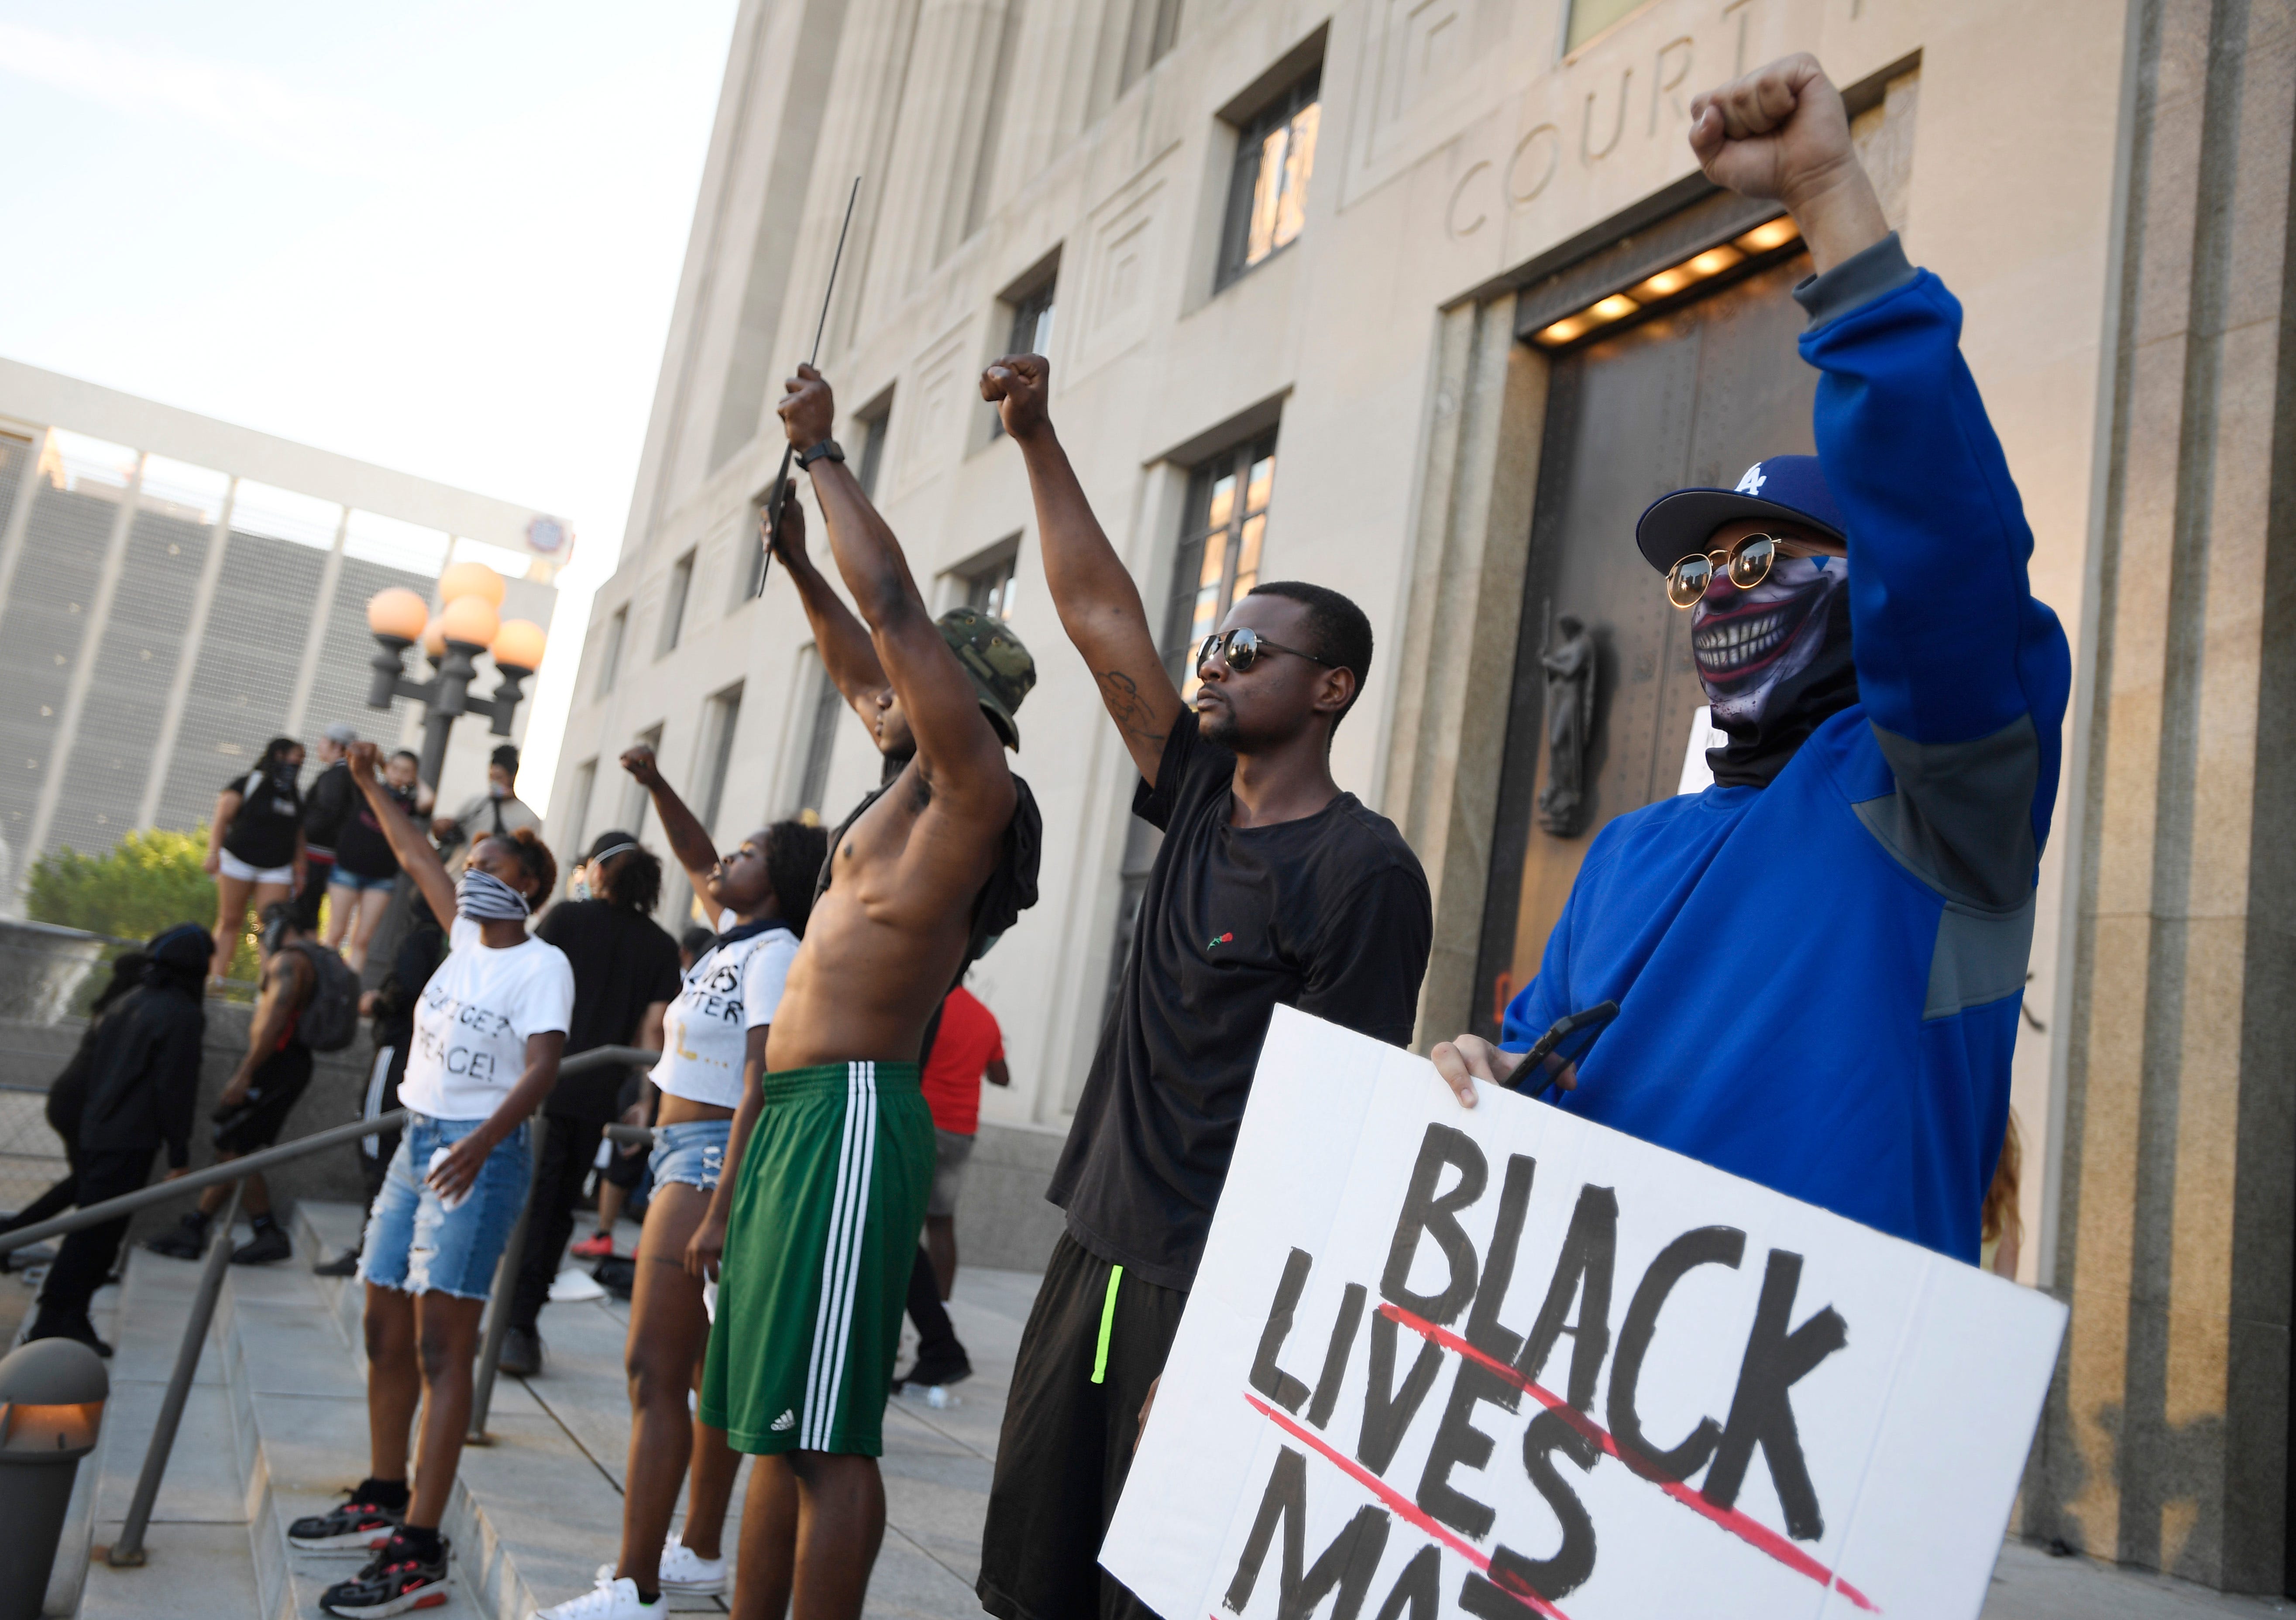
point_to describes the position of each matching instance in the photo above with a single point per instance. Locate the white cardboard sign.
(1503, 1361)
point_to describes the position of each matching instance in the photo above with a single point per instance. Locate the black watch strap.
(827, 450)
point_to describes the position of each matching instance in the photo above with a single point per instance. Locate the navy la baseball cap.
(1789, 487)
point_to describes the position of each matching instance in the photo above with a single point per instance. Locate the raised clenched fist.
(807, 410)
(789, 542)
(1780, 132)
(639, 762)
(1017, 385)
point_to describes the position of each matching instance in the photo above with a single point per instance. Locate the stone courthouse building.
(1424, 299)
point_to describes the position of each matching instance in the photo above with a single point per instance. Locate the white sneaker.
(610, 1599)
(684, 1570)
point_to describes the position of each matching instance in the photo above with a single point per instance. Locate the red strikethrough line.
(1402, 1506)
(1752, 1531)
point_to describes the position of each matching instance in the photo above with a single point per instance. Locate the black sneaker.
(61, 1324)
(932, 1374)
(521, 1354)
(356, 1527)
(396, 1580)
(344, 1264)
(269, 1244)
(188, 1242)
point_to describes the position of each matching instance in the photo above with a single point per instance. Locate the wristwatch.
(827, 450)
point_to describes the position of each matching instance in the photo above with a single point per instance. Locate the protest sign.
(1504, 1362)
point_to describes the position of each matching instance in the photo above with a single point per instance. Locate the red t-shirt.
(967, 1042)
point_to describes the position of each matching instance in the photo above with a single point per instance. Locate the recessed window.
(1154, 26)
(824, 704)
(1268, 194)
(673, 605)
(1226, 522)
(749, 548)
(876, 422)
(721, 719)
(1589, 18)
(1031, 331)
(610, 661)
(987, 582)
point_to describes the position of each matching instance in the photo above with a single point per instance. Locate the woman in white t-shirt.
(489, 1032)
(712, 1033)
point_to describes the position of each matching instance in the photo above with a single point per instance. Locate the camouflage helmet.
(1001, 668)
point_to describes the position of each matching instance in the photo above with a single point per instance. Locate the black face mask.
(1775, 663)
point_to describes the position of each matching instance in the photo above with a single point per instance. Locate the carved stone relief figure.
(1570, 666)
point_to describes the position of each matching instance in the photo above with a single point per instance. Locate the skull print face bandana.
(1775, 663)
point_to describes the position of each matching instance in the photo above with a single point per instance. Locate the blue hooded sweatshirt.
(1819, 981)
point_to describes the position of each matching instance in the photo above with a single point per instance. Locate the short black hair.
(1338, 631)
(406, 753)
(506, 757)
(794, 853)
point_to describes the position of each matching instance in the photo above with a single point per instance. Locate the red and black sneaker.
(358, 1525)
(398, 1579)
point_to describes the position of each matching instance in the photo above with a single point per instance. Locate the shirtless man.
(831, 1159)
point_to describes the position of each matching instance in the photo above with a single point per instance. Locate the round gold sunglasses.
(1748, 563)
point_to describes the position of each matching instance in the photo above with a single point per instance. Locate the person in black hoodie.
(68, 1094)
(142, 1081)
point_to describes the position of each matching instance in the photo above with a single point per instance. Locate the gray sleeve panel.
(1980, 957)
(1859, 279)
(1961, 818)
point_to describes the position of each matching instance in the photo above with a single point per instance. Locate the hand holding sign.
(1508, 1362)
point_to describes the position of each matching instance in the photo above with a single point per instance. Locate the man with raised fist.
(1273, 886)
(1818, 961)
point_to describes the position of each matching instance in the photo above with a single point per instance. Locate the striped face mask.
(483, 898)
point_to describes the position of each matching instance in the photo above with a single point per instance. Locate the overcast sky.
(441, 238)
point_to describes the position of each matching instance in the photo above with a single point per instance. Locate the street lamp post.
(468, 624)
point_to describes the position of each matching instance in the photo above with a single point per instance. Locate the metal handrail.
(499, 1307)
(233, 1169)
(226, 1170)
(127, 1552)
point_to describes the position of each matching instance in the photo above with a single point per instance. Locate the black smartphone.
(1567, 1040)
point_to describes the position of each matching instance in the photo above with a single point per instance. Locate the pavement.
(277, 1426)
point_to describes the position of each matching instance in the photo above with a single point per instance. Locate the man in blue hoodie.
(1818, 961)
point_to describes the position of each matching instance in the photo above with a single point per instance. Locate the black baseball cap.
(1789, 487)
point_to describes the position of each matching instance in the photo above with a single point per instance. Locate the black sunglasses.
(1243, 648)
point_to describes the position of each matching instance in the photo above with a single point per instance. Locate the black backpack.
(329, 1021)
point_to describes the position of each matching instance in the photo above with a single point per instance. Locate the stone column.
(1457, 651)
(2167, 1438)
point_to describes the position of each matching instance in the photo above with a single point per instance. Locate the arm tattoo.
(1134, 715)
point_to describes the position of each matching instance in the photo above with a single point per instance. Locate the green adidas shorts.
(827, 1205)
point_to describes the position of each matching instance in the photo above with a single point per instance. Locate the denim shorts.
(415, 1243)
(343, 877)
(692, 1154)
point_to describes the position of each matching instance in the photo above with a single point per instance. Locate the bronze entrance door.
(1692, 397)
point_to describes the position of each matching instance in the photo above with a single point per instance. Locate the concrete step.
(538, 1510)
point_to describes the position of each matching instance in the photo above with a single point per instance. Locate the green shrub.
(148, 881)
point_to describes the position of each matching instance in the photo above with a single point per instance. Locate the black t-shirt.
(360, 845)
(270, 814)
(1329, 913)
(622, 961)
(327, 805)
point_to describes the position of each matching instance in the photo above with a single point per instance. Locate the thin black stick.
(789, 452)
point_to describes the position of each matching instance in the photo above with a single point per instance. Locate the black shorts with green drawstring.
(1096, 1339)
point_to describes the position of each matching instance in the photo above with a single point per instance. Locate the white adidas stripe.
(865, 1106)
(814, 1424)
